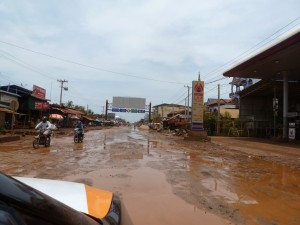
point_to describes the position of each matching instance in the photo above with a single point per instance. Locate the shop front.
(38, 108)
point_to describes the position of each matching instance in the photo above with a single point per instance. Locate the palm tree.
(70, 104)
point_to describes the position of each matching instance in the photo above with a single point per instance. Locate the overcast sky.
(133, 48)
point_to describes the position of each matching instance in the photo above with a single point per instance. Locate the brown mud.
(163, 179)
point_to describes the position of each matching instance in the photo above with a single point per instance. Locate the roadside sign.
(292, 133)
(128, 110)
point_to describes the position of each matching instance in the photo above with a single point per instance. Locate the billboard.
(39, 92)
(197, 105)
(129, 103)
(41, 105)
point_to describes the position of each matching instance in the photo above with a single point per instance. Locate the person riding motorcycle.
(44, 125)
(79, 125)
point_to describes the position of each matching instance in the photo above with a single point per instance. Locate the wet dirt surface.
(163, 179)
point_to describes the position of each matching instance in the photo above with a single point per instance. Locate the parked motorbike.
(78, 135)
(41, 139)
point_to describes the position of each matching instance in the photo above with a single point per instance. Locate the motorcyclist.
(80, 126)
(45, 126)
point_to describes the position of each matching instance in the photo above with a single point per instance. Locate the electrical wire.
(88, 66)
(25, 66)
(30, 67)
(180, 97)
(254, 47)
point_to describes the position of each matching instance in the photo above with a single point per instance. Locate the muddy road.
(163, 179)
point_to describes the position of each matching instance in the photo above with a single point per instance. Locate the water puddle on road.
(147, 198)
(268, 193)
(264, 192)
(163, 182)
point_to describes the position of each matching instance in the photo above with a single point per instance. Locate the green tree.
(80, 108)
(227, 122)
(70, 104)
(210, 123)
(89, 111)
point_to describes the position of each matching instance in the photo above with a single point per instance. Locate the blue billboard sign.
(128, 110)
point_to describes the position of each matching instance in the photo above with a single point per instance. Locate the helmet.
(44, 119)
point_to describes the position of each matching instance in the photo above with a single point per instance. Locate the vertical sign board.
(292, 131)
(197, 105)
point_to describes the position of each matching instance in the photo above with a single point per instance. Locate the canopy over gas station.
(278, 62)
(283, 55)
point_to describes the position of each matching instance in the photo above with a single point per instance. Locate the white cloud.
(159, 39)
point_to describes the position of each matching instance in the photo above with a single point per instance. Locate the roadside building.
(271, 107)
(164, 109)
(239, 83)
(8, 105)
(70, 115)
(213, 104)
(32, 104)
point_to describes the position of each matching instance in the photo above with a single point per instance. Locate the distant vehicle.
(25, 201)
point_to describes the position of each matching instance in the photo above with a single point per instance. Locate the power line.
(88, 66)
(171, 99)
(239, 56)
(215, 80)
(25, 65)
(180, 97)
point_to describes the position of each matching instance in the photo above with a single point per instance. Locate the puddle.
(273, 188)
(148, 199)
(136, 166)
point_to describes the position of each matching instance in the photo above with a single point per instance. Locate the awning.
(56, 116)
(10, 111)
(42, 99)
(4, 106)
(88, 118)
(6, 110)
(282, 55)
(73, 117)
(69, 111)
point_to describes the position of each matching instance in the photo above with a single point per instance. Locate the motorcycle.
(78, 135)
(41, 139)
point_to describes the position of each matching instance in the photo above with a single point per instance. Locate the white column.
(285, 104)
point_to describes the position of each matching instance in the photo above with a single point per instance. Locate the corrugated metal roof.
(69, 111)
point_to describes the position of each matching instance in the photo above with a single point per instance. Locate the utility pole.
(61, 88)
(218, 121)
(185, 108)
(188, 105)
(106, 109)
(150, 112)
